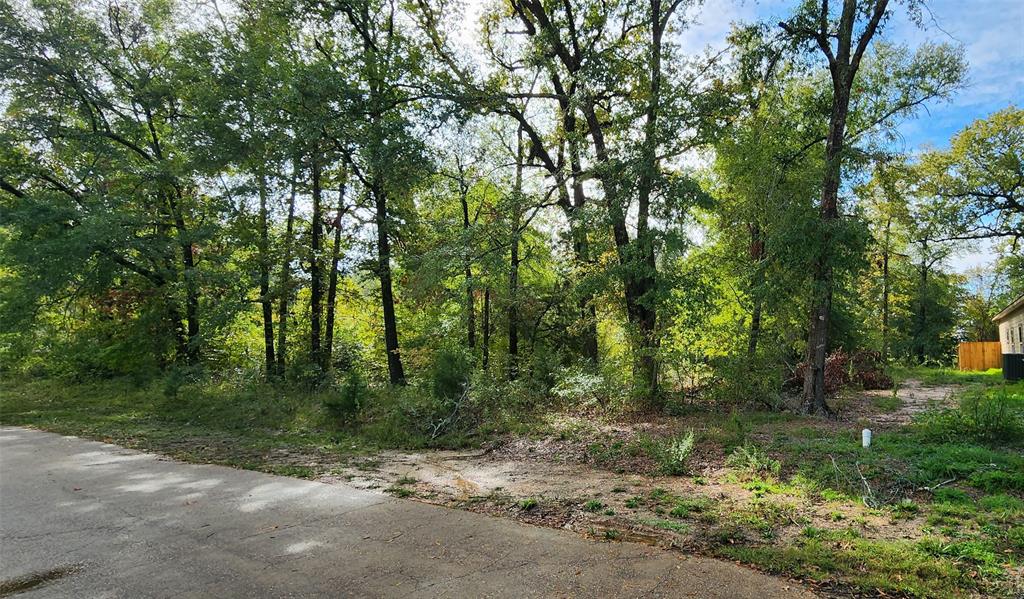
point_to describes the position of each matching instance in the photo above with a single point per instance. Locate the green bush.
(673, 453)
(1015, 537)
(449, 373)
(496, 404)
(740, 380)
(179, 376)
(578, 386)
(412, 417)
(993, 417)
(344, 404)
(950, 495)
(306, 374)
(995, 481)
(753, 460)
(346, 355)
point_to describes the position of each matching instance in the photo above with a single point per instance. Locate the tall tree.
(514, 260)
(92, 144)
(843, 39)
(981, 177)
(886, 199)
(382, 150)
(332, 280)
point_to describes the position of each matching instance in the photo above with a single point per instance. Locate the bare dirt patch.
(557, 481)
(893, 408)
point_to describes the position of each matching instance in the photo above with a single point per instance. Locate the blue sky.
(991, 32)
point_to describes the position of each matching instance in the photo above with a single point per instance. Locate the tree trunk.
(922, 308)
(885, 291)
(821, 306)
(757, 253)
(332, 283)
(513, 268)
(266, 302)
(286, 277)
(513, 303)
(587, 310)
(487, 328)
(174, 316)
(396, 373)
(644, 268)
(467, 265)
(843, 65)
(578, 231)
(315, 274)
(189, 275)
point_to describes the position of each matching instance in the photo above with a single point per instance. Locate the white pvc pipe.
(865, 438)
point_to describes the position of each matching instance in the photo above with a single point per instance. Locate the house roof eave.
(1010, 309)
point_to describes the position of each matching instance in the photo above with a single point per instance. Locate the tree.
(761, 180)
(981, 177)
(91, 155)
(602, 97)
(985, 295)
(381, 150)
(932, 73)
(885, 199)
(928, 252)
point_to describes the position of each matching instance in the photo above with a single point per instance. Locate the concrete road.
(86, 519)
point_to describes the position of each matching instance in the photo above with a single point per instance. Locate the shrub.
(449, 373)
(672, 454)
(950, 495)
(580, 387)
(497, 404)
(1015, 537)
(410, 417)
(740, 380)
(177, 378)
(837, 372)
(346, 355)
(995, 481)
(753, 460)
(987, 417)
(863, 368)
(306, 374)
(344, 404)
(868, 371)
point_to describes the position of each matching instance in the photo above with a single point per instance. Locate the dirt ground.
(912, 398)
(553, 481)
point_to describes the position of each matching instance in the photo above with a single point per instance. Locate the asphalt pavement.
(85, 519)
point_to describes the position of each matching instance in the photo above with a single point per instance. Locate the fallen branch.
(932, 488)
(869, 499)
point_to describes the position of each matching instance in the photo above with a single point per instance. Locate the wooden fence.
(980, 355)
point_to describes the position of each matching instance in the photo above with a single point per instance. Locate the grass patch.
(673, 453)
(988, 415)
(684, 507)
(275, 429)
(870, 566)
(400, 491)
(953, 470)
(947, 376)
(528, 504)
(886, 403)
(752, 460)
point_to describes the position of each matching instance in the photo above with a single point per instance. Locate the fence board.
(980, 355)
